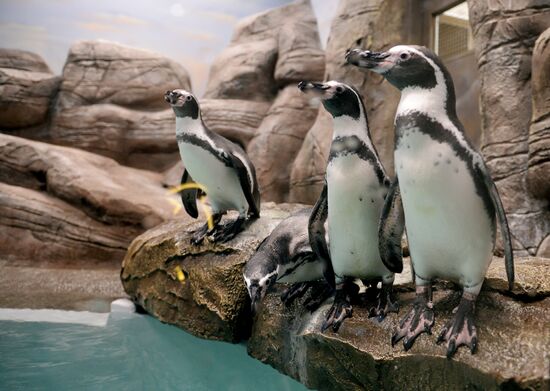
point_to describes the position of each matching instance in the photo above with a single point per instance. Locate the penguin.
(285, 256)
(447, 200)
(352, 200)
(220, 166)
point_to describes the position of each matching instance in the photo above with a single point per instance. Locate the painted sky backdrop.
(192, 32)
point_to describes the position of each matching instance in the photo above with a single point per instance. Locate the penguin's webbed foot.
(340, 310)
(199, 235)
(460, 330)
(418, 320)
(227, 231)
(385, 303)
(293, 292)
(314, 301)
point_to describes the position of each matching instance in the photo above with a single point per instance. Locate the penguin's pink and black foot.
(203, 232)
(226, 232)
(385, 303)
(418, 320)
(460, 330)
(220, 233)
(318, 296)
(314, 301)
(341, 307)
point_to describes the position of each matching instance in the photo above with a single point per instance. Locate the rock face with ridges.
(512, 352)
(376, 25)
(111, 102)
(106, 72)
(235, 119)
(267, 50)
(539, 133)
(278, 141)
(27, 87)
(88, 201)
(504, 36)
(209, 299)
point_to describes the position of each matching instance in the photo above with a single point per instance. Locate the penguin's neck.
(429, 101)
(346, 126)
(190, 126)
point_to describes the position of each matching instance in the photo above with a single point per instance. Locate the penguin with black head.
(449, 201)
(352, 200)
(285, 256)
(221, 167)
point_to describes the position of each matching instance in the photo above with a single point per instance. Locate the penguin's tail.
(506, 236)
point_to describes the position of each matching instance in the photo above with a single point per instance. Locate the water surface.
(132, 352)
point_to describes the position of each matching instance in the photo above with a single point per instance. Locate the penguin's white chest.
(448, 228)
(222, 183)
(355, 201)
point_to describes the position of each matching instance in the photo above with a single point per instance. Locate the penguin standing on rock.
(352, 199)
(221, 167)
(447, 196)
(286, 256)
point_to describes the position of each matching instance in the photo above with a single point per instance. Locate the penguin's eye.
(339, 89)
(188, 98)
(404, 56)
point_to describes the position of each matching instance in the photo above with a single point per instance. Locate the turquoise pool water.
(132, 352)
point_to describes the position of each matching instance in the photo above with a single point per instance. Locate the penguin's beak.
(374, 61)
(256, 297)
(320, 90)
(171, 97)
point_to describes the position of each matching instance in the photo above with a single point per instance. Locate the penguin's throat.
(430, 101)
(347, 126)
(188, 125)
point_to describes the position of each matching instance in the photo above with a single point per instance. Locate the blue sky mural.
(193, 32)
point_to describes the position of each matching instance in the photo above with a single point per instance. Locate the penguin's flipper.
(189, 196)
(503, 222)
(317, 235)
(390, 229)
(247, 178)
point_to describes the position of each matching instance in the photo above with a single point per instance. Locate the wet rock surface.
(85, 206)
(514, 341)
(504, 37)
(209, 298)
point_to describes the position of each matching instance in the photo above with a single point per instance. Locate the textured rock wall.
(111, 102)
(538, 174)
(27, 87)
(376, 25)
(64, 204)
(504, 36)
(278, 141)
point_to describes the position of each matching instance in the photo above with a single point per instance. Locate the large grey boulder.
(111, 102)
(94, 205)
(268, 50)
(376, 25)
(278, 141)
(512, 354)
(106, 72)
(209, 298)
(27, 87)
(504, 36)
